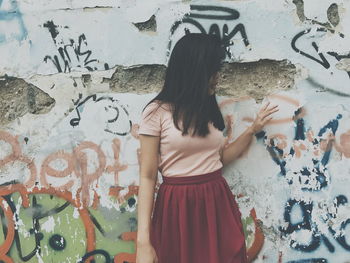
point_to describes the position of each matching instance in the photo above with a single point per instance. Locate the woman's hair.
(195, 58)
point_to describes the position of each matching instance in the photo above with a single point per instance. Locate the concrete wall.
(76, 75)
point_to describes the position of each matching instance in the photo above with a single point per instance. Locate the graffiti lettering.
(310, 178)
(306, 223)
(120, 113)
(217, 13)
(322, 60)
(42, 204)
(70, 50)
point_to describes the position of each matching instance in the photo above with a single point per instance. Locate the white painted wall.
(321, 90)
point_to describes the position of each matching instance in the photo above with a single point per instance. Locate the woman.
(195, 217)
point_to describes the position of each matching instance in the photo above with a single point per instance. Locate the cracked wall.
(76, 75)
(19, 97)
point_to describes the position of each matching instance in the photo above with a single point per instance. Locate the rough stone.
(254, 79)
(333, 14)
(149, 25)
(18, 97)
(138, 79)
(300, 9)
(86, 80)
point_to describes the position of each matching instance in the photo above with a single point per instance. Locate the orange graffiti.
(344, 145)
(5, 247)
(88, 178)
(84, 214)
(285, 98)
(46, 169)
(228, 101)
(115, 192)
(76, 166)
(281, 140)
(299, 145)
(117, 167)
(77, 163)
(274, 121)
(280, 257)
(258, 243)
(122, 257)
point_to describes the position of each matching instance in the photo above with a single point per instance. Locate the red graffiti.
(76, 167)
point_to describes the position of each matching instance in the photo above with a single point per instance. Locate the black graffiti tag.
(207, 12)
(114, 106)
(64, 62)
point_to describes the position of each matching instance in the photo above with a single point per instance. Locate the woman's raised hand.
(263, 117)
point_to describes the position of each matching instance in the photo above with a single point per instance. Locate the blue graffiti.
(319, 168)
(306, 223)
(9, 15)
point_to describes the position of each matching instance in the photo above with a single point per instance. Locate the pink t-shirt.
(181, 155)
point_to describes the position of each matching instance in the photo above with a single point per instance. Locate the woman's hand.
(146, 254)
(235, 149)
(263, 117)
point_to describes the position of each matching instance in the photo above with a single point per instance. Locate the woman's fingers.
(272, 108)
(264, 116)
(269, 112)
(265, 107)
(267, 120)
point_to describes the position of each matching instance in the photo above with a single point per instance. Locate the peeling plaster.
(19, 97)
(302, 66)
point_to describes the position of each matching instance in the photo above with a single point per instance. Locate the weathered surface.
(253, 79)
(256, 79)
(138, 79)
(333, 14)
(82, 73)
(149, 25)
(19, 97)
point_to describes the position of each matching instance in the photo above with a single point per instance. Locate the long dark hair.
(194, 59)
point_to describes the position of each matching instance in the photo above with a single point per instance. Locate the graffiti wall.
(75, 76)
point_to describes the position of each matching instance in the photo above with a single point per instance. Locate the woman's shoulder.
(158, 105)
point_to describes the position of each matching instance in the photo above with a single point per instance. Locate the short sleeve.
(150, 123)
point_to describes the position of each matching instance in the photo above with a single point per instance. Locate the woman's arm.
(236, 148)
(148, 177)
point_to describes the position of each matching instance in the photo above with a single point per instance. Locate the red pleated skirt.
(196, 220)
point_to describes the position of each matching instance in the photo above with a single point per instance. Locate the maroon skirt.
(196, 220)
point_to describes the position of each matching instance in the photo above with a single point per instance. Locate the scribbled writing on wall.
(73, 54)
(36, 215)
(310, 222)
(312, 215)
(308, 178)
(199, 13)
(33, 217)
(49, 224)
(306, 223)
(118, 124)
(322, 58)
